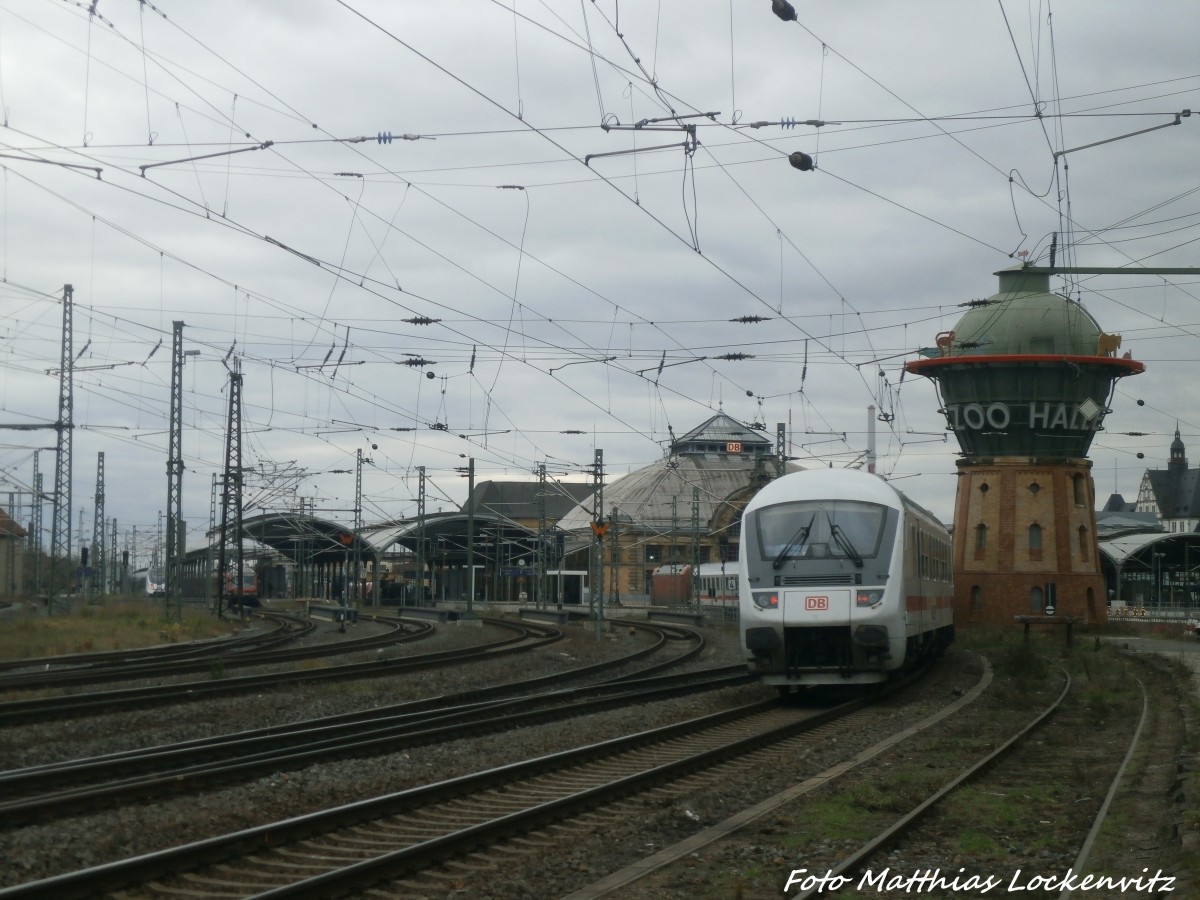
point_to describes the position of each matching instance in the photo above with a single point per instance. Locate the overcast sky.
(584, 276)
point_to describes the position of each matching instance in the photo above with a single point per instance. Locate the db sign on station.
(816, 604)
(1049, 610)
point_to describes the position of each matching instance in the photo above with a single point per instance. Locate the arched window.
(1079, 484)
(1083, 542)
(980, 536)
(1035, 536)
(976, 597)
(1035, 598)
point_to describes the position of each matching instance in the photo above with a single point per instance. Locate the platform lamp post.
(1158, 579)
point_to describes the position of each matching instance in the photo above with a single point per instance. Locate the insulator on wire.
(383, 137)
(784, 10)
(801, 161)
(788, 122)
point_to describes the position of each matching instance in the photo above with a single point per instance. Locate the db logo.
(816, 603)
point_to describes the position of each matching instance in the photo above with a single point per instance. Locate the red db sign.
(816, 604)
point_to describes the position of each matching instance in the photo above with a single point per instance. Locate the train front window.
(820, 529)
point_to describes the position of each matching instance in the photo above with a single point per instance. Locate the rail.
(341, 614)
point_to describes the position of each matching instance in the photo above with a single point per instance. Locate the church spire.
(1178, 460)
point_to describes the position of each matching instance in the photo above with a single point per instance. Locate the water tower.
(1025, 379)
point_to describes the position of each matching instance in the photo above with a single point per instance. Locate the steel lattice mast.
(98, 555)
(60, 527)
(35, 526)
(175, 548)
(231, 491)
(540, 555)
(356, 591)
(420, 536)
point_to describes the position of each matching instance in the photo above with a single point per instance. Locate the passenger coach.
(843, 580)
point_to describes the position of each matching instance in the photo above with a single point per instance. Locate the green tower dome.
(1025, 318)
(1026, 372)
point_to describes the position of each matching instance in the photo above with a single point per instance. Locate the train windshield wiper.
(844, 542)
(797, 540)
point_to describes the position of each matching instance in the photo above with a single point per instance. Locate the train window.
(828, 529)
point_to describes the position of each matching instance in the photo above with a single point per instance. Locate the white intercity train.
(151, 582)
(842, 580)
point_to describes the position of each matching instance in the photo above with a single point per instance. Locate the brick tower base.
(1025, 541)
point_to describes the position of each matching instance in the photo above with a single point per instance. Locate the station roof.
(446, 535)
(309, 539)
(1139, 550)
(304, 538)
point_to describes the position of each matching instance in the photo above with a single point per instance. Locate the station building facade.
(680, 510)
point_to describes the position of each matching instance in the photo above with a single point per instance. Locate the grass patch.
(832, 819)
(116, 626)
(980, 811)
(973, 843)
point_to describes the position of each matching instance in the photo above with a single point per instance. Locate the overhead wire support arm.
(52, 162)
(170, 162)
(667, 365)
(641, 124)
(690, 142)
(587, 160)
(1179, 117)
(579, 362)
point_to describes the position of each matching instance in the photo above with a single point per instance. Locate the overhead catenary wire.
(510, 307)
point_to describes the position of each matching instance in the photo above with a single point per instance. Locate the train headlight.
(766, 601)
(869, 598)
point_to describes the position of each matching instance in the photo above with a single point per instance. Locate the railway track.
(344, 850)
(996, 773)
(523, 636)
(202, 656)
(283, 629)
(923, 807)
(35, 794)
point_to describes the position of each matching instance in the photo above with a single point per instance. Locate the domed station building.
(679, 511)
(1025, 380)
